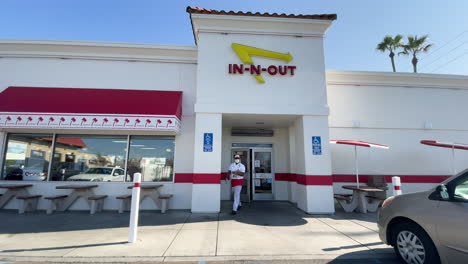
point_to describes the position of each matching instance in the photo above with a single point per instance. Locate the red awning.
(77, 108)
(445, 144)
(359, 143)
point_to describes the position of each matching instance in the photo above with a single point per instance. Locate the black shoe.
(239, 208)
(233, 212)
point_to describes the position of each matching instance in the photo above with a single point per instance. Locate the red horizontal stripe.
(396, 187)
(388, 178)
(198, 178)
(206, 178)
(337, 178)
(283, 176)
(183, 178)
(314, 179)
(293, 177)
(137, 184)
(224, 175)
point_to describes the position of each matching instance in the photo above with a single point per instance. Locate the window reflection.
(89, 158)
(262, 162)
(153, 157)
(27, 157)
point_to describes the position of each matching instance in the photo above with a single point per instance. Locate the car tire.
(412, 244)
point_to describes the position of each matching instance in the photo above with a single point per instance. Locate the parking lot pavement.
(263, 232)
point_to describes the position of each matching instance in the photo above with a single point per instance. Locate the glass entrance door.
(262, 175)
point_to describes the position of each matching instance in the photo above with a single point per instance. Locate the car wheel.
(413, 245)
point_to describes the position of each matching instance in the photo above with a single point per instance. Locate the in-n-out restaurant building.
(254, 85)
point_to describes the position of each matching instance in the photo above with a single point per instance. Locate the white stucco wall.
(398, 110)
(217, 85)
(301, 94)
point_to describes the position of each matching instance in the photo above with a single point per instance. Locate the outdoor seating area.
(368, 198)
(28, 202)
(365, 198)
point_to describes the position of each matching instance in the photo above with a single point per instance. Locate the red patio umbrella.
(356, 144)
(444, 144)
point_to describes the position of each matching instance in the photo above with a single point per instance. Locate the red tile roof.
(199, 10)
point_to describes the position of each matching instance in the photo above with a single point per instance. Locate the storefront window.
(153, 157)
(27, 157)
(89, 158)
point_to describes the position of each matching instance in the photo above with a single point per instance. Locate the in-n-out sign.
(245, 52)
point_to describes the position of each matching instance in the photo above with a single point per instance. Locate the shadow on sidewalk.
(255, 213)
(58, 248)
(363, 257)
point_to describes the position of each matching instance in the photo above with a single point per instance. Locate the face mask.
(237, 160)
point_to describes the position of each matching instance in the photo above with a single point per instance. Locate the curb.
(195, 259)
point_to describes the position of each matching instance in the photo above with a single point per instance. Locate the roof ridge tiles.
(200, 10)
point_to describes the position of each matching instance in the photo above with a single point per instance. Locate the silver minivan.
(428, 227)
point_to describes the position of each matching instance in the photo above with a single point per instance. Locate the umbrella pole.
(453, 159)
(356, 165)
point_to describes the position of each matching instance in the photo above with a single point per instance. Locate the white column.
(206, 189)
(314, 180)
(292, 163)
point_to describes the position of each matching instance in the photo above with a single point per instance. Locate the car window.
(461, 190)
(99, 171)
(119, 172)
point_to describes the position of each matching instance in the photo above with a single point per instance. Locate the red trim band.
(326, 180)
(183, 178)
(302, 179)
(283, 176)
(224, 175)
(206, 178)
(388, 178)
(397, 188)
(137, 185)
(198, 178)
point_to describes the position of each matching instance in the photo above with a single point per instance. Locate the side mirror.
(440, 194)
(443, 192)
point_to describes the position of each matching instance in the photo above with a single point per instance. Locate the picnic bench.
(146, 191)
(55, 202)
(360, 199)
(63, 202)
(27, 201)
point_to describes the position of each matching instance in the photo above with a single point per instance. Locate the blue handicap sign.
(316, 146)
(208, 142)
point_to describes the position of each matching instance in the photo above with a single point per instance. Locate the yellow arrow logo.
(245, 52)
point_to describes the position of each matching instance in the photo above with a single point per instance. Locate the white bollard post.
(135, 208)
(396, 185)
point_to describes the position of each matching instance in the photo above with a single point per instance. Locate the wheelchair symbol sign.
(208, 142)
(316, 146)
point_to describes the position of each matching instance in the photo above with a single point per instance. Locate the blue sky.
(349, 45)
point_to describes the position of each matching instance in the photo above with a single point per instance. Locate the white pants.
(237, 191)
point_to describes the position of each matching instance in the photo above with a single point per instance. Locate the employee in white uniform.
(236, 173)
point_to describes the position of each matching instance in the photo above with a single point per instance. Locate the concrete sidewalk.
(261, 231)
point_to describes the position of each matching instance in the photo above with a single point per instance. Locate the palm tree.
(414, 46)
(391, 44)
